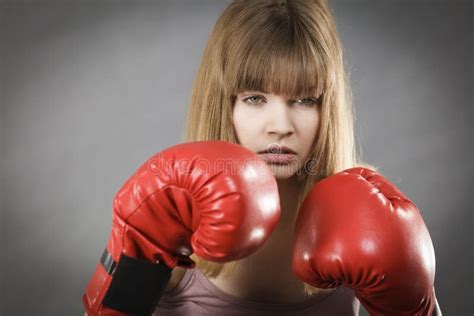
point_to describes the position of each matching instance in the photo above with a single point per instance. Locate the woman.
(271, 78)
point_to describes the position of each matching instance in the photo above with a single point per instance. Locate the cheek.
(242, 122)
(309, 123)
(308, 128)
(237, 121)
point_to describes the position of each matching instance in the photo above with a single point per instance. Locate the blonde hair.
(281, 47)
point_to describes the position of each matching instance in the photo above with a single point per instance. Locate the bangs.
(282, 61)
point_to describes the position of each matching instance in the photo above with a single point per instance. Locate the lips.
(280, 155)
(280, 159)
(276, 149)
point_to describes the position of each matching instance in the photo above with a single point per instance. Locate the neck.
(288, 190)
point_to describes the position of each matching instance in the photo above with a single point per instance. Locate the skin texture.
(261, 119)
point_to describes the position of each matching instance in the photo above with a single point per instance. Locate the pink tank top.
(196, 295)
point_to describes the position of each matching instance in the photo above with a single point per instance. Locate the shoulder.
(176, 276)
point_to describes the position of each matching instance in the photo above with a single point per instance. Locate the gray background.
(90, 90)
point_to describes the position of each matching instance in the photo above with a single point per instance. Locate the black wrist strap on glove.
(136, 286)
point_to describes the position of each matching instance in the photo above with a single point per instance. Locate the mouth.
(277, 149)
(278, 155)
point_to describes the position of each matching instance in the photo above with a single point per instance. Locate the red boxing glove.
(214, 198)
(357, 229)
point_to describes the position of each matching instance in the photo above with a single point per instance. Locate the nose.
(280, 123)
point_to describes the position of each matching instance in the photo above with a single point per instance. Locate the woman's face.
(269, 122)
